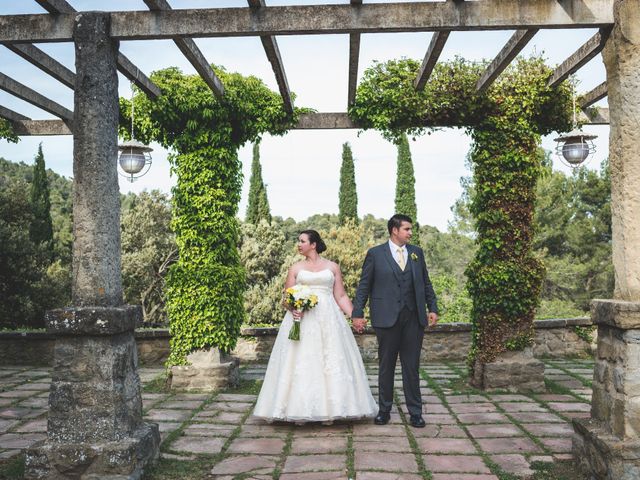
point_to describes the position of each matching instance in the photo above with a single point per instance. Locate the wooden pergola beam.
(44, 62)
(125, 66)
(56, 6)
(307, 121)
(191, 51)
(12, 116)
(31, 128)
(436, 45)
(577, 60)
(354, 59)
(595, 116)
(270, 46)
(322, 19)
(514, 46)
(19, 90)
(594, 96)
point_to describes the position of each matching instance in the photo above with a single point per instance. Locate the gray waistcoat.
(407, 291)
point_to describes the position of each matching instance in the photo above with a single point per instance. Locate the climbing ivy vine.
(205, 286)
(505, 124)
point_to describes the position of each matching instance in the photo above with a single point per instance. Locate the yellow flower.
(414, 257)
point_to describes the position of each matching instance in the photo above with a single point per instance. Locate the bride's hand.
(297, 314)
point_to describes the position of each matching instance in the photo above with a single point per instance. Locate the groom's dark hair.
(396, 221)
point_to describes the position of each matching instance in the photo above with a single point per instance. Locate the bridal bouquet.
(299, 297)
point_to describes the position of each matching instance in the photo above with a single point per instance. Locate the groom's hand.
(432, 318)
(358, 324)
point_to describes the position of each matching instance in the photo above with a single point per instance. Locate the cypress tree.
(258, 206)
(41, 231)
(348, 197)
(406, 186)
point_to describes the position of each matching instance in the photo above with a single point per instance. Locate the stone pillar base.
(209, 371)
(601, 455)
(123, 459)
(512, 371)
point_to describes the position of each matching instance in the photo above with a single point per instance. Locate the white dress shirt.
(394, 251)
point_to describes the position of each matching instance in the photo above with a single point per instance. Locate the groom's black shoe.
(382, 418)
(417, 421)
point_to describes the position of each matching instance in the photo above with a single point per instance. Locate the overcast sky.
(317, 68)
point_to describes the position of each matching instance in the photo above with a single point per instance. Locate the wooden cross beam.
(586, 52)
(307, 121)
(191, 51)
(354, 58)
(19, 90)
(594, 95)
(273, 54)
(510, 51)
(125, 66)
(44, 62)
(431, 58)
(11, 115)
(323, 19)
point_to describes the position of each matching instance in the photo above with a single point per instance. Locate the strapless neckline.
(311, 271)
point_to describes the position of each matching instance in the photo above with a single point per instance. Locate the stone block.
(125, 458)
(95, 389)
(602, 455)
(616, 313)
(207, 376)
(512, 371)
(93, 320)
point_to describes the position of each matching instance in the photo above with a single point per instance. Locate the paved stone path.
(469, 436)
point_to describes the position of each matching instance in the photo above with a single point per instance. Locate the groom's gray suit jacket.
(380, 282)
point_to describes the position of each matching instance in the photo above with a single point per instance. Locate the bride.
(320, 377)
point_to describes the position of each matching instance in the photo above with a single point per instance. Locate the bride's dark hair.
(314, 237)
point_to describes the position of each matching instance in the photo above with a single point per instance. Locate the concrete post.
(95, 427)
(607, 446)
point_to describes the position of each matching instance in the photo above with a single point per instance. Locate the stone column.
(607, 446)
(95, 427)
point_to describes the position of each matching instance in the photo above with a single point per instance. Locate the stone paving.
(469, 435)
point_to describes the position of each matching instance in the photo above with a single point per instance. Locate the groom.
(395, 278)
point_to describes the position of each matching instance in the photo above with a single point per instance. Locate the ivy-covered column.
(607, 446)
(205, 286)
(506, 124)
(504, 278)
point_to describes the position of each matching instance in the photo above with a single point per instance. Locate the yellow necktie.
(400, 259)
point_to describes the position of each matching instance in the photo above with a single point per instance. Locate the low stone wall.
(36, 348)
(446, 341)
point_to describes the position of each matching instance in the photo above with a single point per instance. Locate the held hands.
(358, 324)
(432, 319)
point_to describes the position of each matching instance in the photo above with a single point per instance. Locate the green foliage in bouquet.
(505, 124)
(206, 284)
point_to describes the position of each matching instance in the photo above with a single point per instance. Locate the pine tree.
(258, 206)
(406, 186)
(348, 197)
(41, 230)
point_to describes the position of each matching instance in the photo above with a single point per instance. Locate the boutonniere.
(414, 257)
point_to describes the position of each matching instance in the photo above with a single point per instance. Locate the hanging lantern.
(575, 147)
(135, 157)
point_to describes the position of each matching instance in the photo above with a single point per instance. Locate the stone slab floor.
(469, 435)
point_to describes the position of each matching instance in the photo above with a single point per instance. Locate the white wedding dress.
(320, 377)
